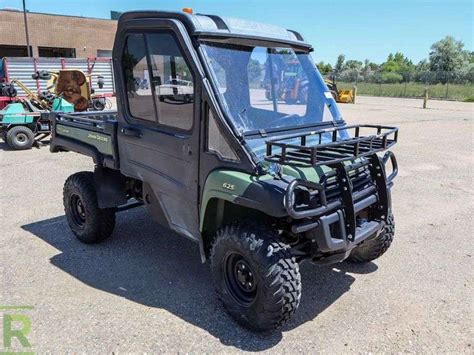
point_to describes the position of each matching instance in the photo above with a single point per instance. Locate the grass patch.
(460, 92)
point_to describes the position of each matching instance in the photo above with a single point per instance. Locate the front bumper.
(327, 242)
(335, 225)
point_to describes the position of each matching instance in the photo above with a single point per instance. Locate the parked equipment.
(99, 70)
(341, 96)
(259, 184)
(26, 120)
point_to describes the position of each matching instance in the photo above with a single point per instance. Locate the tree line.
(448, 62)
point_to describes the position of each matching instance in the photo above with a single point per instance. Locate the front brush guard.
(345, 209)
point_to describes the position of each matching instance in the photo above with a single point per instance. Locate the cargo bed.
(92, 133)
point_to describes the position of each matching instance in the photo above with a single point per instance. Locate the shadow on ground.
(38, 145)
(4, 145)
(153, 266)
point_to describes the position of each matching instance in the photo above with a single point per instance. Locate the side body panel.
(15, 114)
(165, 159)
(102, 142)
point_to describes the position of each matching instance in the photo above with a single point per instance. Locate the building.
(55, 35)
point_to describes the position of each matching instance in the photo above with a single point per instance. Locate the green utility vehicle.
(261, 185)
(25, 121)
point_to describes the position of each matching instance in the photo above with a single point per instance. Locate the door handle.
(132, 132)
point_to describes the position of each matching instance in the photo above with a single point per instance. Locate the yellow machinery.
(70, 84)
(342, 96)
(73, 86)
(37, 100)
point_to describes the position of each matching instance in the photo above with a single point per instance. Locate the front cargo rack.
(329, 146)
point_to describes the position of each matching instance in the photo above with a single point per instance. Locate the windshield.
(268, 89)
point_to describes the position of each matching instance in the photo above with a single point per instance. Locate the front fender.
(262, 193)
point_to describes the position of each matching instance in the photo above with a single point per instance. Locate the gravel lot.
(145, 289)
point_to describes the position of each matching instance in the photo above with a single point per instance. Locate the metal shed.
(22, 68)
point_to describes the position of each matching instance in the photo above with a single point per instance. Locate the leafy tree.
(422, 72)
(353, 65)
(369, 71)
(398, 63)
(366, 72)
(339, 63)
(448, 56)
(448, 62)
(391, 77)
(349, 75)
(324, 68)
(423, 65)
(374, 66)
(467, 73)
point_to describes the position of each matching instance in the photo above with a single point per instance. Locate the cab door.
(158, 132)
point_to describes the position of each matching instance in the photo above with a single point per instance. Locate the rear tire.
(375, 247)
(255, 276)
(89, 223)
(20, 138)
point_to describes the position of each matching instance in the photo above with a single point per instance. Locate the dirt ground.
(145, 289)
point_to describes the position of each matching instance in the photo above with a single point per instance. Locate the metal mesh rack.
(324, 147)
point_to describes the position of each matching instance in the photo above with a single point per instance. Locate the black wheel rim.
(240, 278)
(78, 210)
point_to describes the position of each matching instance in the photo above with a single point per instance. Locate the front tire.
(255, 276)
(20, 138)
(375, 247)
(89, 223)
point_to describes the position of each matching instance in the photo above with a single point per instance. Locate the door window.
(160, 85)
(216, 141)
(137, 78)
(172, 81)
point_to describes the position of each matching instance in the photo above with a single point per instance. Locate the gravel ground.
(145, 289)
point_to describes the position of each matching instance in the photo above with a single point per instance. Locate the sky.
(359, 29)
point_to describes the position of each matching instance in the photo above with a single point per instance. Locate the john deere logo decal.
(97, 137)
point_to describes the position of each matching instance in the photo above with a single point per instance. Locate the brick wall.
(86, 35)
